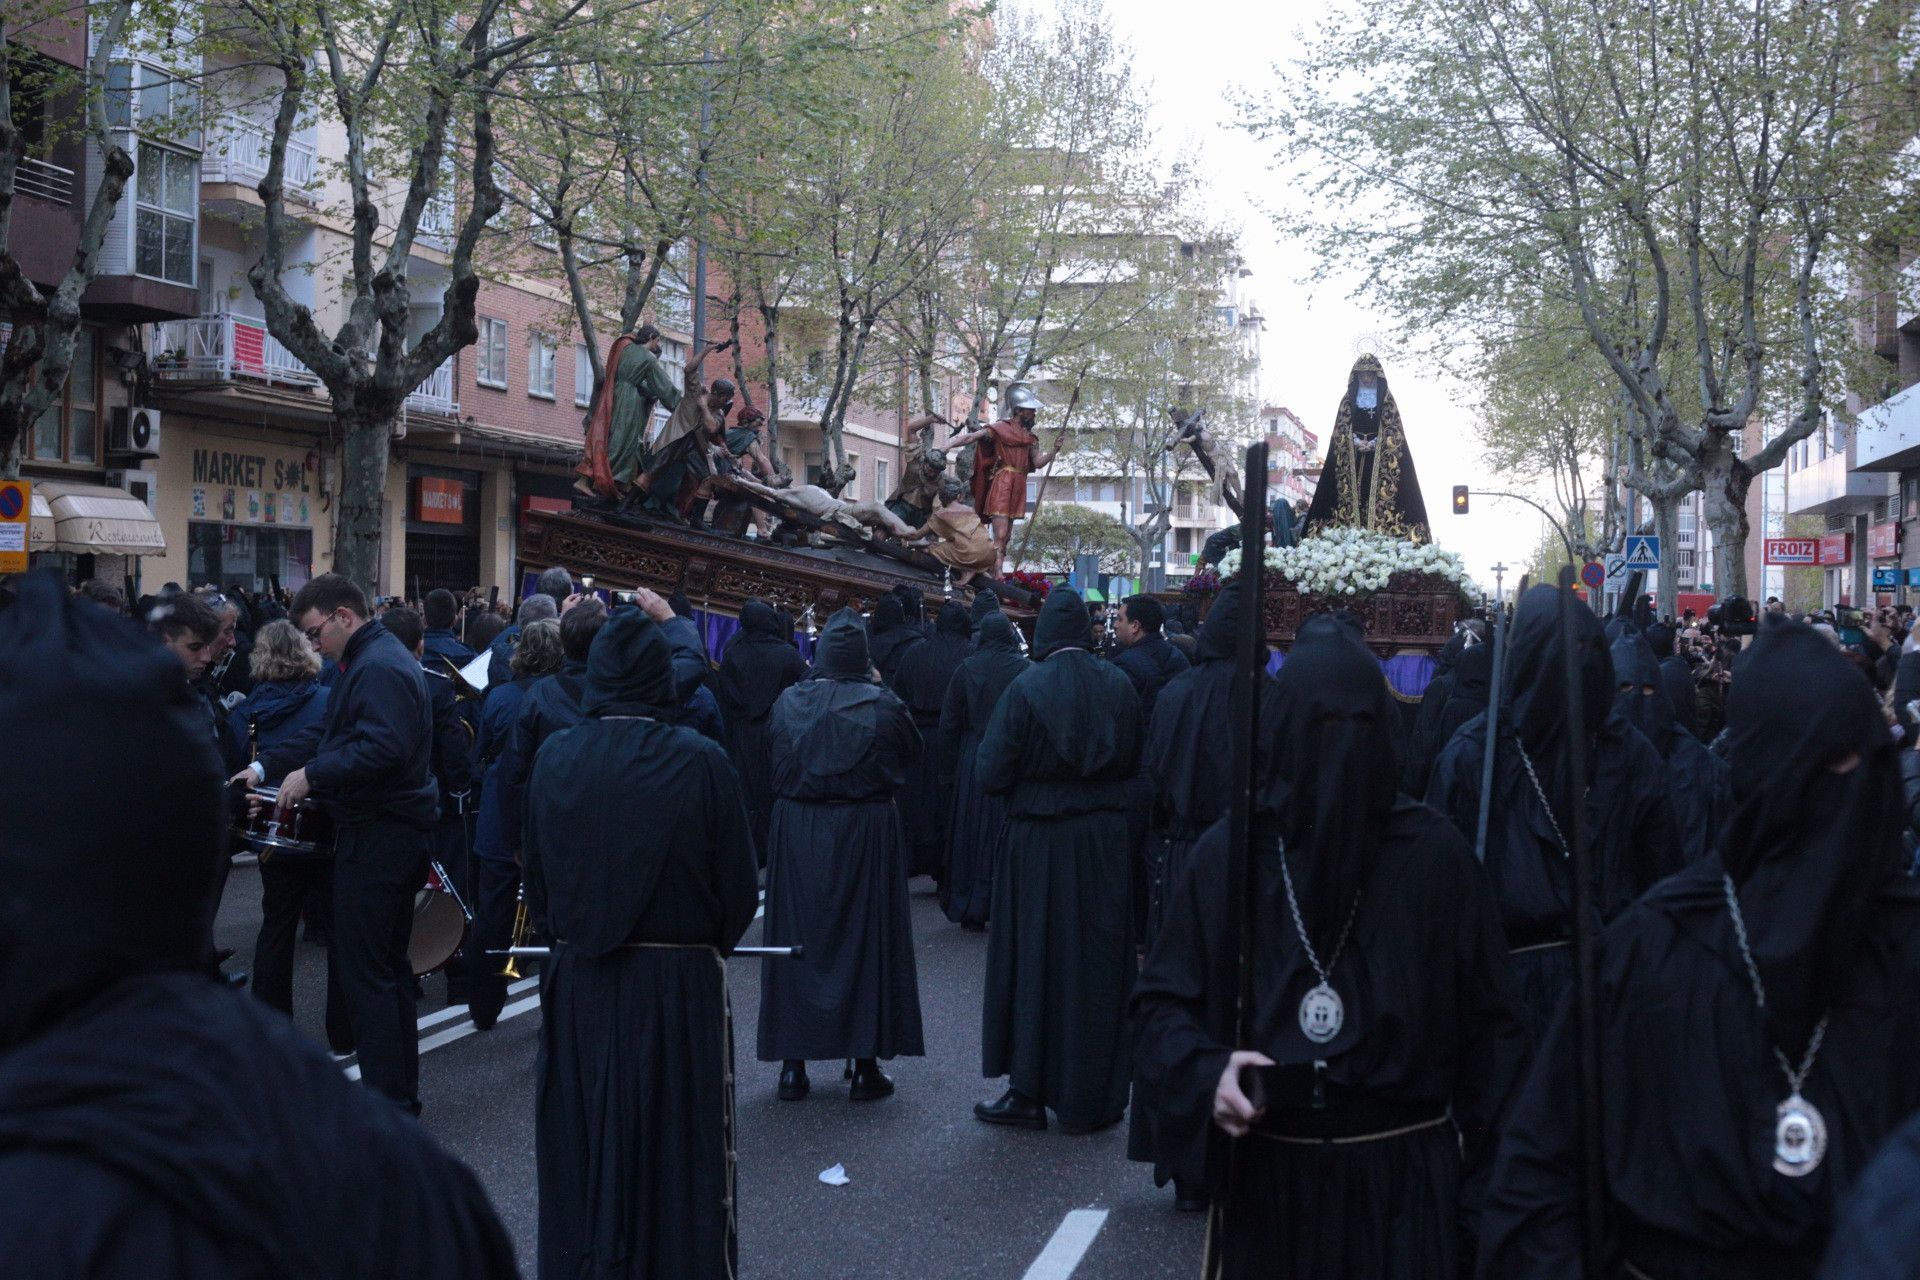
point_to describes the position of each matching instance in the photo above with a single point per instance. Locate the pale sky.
(1191, 54)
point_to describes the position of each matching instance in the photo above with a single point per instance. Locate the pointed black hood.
(1063, 624)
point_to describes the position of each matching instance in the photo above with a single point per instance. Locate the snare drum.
(304, 831)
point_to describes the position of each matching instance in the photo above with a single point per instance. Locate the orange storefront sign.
(440, 501)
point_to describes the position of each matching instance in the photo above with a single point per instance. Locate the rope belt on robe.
(1402, 1131)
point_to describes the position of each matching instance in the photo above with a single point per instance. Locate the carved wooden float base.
(1414, 612)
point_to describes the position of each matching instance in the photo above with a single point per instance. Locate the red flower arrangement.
(1036, 584)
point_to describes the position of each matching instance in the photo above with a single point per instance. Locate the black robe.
(1878, 1236)
(1187, 755)
(173, 1128)
(1416, 1073)
(1628, 821)
(1472, 685)
(1431, 1025)
(1688, 1088)
(633, 1098)
(1424, 740)
(759, 665)
(1698, 783)
(1062, 746)
(921, 681)
(1695, 1010)
(1682, 691)
(837, 877)
(977, 820)
(891, 635)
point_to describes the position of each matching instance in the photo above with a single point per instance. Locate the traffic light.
(1459, 499)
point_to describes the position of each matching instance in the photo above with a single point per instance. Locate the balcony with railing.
(435, 394)
(43, 180)
(225, 348)
(239, 150)
(436, 221)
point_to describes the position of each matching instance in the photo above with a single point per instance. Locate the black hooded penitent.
(1062, 745)
(1688, 1081)
(1698, 783)
(1430, 1044)
(154, 1121)
(836, 863)
(636, 832)
(977, 819)
(891, 636)
(759, 665)
(921, 682)
(1627, 817)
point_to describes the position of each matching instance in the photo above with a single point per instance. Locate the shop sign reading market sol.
(440, 501)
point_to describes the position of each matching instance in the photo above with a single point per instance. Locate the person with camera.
(372, 769)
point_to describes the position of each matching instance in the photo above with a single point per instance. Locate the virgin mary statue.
(1368, 481)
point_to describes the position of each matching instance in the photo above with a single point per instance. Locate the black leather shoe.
(1187, 1200)
(794, 1084)
(869, 1083)
(1014, 1110)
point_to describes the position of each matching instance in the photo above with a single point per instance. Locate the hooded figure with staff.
(1751, 1020)
(1326, 1016)
(1520, 808)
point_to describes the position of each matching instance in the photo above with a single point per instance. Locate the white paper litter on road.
(836, 1176)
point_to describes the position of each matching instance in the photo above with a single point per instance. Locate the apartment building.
(1293, 455)
(84, 453)
(1883, 451)
(1112, 481)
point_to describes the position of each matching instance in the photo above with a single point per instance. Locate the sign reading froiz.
(1792, 551)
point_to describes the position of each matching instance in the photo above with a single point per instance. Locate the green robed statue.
(635, 382)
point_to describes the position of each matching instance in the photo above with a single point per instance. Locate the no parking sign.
(16, 514)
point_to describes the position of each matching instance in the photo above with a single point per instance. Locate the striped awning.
(86, 519)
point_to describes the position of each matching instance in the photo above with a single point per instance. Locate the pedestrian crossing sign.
(1643, 552)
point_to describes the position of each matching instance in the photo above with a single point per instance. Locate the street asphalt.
(932, 1192)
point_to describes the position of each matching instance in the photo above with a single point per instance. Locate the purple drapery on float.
(1407, 673)
(717, 628)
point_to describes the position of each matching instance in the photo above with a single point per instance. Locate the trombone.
(518, 947)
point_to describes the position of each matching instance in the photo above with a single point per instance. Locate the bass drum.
(439, 927)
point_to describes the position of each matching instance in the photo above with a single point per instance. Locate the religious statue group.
(710, 455)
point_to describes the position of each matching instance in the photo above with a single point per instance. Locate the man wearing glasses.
(371, 767)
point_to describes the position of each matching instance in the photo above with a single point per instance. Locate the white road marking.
(1071, 1240)
(453, 1011)
(462, 1030)
(465, 1029)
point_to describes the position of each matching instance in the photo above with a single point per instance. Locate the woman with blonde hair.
(287, 698)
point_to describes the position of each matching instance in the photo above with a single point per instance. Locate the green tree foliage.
(1060, 531)
(1688, 180)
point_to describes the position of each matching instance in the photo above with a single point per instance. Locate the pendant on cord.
(1799, 1135)
(1322, 1013)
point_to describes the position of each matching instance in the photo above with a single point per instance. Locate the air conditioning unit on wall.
(134, 431)
(143, 485)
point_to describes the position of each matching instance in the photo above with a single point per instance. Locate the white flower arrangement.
(1352, 562)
